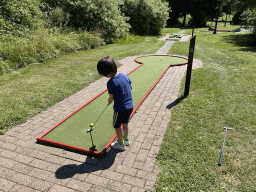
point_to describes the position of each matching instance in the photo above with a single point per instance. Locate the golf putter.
(89, 130)
(221, 154)
(93, 146)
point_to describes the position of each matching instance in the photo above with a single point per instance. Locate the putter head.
(89, 130)
(93, 148)
(227, 128)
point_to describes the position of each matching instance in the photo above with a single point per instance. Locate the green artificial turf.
(73, 130)
(175, 37)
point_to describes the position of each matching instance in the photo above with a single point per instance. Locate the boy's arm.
(111, 98)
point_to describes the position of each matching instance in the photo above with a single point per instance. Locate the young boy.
(119, 89)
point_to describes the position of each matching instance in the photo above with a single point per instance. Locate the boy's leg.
(125, 137)
(120, 143)
(117, 119)
(125, 126)
(119, 133)
(125, 129)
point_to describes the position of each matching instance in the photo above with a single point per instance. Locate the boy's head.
(107, 66)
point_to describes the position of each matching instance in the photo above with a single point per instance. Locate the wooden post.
(189, 67)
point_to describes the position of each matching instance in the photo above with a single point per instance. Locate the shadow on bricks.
(91, 164)
(177, 101)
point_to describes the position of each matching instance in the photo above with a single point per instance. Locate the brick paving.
(28, 166)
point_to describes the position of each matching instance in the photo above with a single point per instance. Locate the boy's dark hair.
(106, 65)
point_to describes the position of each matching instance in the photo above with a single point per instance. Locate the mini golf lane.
(71, 133)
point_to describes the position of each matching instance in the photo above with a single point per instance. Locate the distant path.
(164, 50)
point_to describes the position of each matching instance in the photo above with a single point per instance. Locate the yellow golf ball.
(91, 125)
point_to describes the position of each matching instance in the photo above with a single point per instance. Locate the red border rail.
(97, 153)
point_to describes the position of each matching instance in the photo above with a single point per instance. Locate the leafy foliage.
(147, 17)
(18, 16)
(33, 31)
(249, 19)
(57, 17)
(98, 14)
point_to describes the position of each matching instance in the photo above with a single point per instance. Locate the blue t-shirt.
(119, 85)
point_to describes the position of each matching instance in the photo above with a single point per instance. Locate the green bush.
(100, 15)
(147, 17)
(57, 17)
(19, 16)
(248, 18)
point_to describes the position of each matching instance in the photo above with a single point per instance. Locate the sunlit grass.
(222, 94)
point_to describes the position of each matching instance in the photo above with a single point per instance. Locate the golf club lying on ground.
(221, 154)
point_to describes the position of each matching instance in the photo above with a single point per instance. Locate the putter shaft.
(90, 130)
(101, 113)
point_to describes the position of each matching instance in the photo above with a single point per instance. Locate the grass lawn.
(221, 25)
(222, 94)
(28, 91)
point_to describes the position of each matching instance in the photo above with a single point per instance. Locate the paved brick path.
(28, 166)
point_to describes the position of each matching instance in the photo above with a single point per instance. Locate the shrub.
(57, 17)
(91, 15)
(90, 40)
(249, 19)
(147, 17)
(19, 16)
(4, 68)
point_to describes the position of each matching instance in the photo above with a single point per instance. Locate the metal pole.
(93, 146)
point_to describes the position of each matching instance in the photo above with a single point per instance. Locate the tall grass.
(41, 45)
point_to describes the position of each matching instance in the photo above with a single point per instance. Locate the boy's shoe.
(117, 146)
(127, 142)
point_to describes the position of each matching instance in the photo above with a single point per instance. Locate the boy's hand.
(111, 98)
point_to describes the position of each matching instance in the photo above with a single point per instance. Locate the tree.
(100, 15)
(146, 17)
(200, 10)
(239, 6)
(249, 19)
(18, 16)
(227, 9)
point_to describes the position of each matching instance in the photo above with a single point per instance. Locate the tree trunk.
(226, 20)
(184, 20)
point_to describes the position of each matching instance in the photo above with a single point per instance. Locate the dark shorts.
(121, 118)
